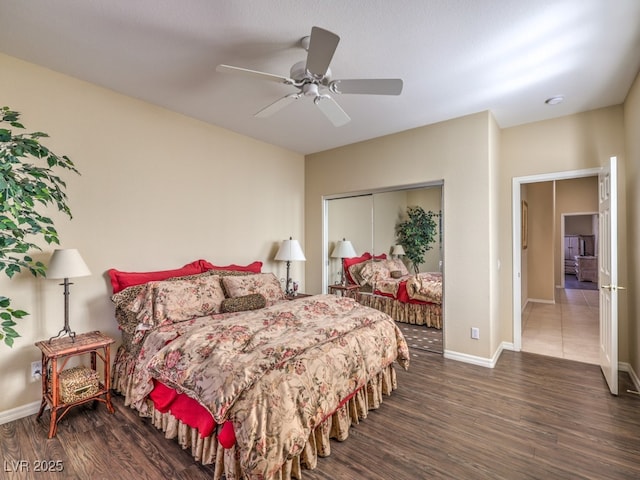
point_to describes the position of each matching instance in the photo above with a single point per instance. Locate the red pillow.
(121, 280)
(255, 267)
(347, 262)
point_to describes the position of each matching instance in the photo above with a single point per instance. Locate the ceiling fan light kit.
(313, 77)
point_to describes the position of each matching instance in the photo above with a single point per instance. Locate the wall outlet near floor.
(475, 333)
(36, 370)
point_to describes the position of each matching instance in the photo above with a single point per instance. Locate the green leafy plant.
(416, 234)
(27, 183)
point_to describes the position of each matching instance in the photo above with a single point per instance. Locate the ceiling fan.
(312, 78)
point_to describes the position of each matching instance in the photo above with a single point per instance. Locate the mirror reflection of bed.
(388, 282)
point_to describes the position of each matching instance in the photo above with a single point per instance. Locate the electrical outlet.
(475, 333)
(36, 370)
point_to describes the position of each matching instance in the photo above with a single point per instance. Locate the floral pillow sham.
(373, 272)
(175, 301)
(370, 272)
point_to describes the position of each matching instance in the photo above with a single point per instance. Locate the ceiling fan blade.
(332, 110)
(277, 105)
(255, 74)
(373, 86)
(322, 46)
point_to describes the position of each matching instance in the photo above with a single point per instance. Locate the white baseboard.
(19, 412)
(538, 300)
(481, 361)
(626, 367)
(463, 357)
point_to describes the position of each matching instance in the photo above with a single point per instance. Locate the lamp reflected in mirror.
(343, 249)
(397, 251)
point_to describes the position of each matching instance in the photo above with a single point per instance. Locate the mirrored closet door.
(368, 220)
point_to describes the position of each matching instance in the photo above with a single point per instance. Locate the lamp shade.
(290, 250)
(397, 250)
(343, 249)
(67, 263)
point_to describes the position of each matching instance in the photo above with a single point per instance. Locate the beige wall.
(349, 218)
(632, 181)
(388, 209)
(157, 190)
(431, 153)
(541, 286)
(495, 247)
(582, 224)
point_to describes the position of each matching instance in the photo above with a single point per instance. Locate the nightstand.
(350, 290)
(55, 355)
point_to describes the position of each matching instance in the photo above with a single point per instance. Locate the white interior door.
(608, 266)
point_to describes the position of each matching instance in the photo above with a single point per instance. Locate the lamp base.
(287, 287)
(65, 331)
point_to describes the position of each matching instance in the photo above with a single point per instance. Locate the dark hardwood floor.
(532, 417)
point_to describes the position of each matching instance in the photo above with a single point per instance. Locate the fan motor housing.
(299, 73)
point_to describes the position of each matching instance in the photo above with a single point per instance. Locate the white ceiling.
(456, 57)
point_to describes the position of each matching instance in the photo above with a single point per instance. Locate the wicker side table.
(345, 290)
(55, 355)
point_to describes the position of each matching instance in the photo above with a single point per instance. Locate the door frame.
(516, 212)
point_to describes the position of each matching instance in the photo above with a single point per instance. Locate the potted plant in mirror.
(28, 184)
(416, 234)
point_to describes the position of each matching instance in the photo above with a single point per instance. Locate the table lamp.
(290, 251)
(343, 249)
(66, 263)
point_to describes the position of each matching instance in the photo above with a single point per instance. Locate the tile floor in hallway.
(567, 329)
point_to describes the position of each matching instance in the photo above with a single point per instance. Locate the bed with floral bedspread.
(284, 378)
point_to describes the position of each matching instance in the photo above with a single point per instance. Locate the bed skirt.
(429, 314)
(209, 451)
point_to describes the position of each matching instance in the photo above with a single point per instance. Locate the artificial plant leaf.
(27, 182)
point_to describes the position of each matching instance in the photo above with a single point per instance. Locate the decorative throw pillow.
(265, 284)
(253, 301)
(396, 274)
(395, 264)
(168, 302)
